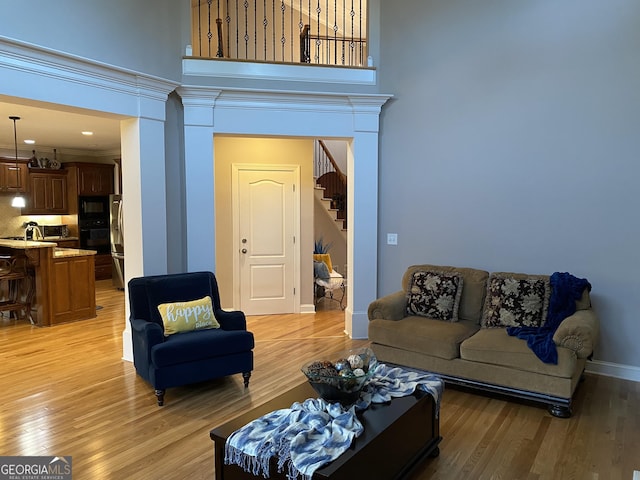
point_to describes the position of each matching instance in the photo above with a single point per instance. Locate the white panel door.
(266, 235)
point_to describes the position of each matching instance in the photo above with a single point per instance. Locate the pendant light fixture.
(18, 200)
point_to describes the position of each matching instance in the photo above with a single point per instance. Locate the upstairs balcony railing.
(323, 32)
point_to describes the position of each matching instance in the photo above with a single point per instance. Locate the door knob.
(244, 250)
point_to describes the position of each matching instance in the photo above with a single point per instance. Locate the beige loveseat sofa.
(468, 351)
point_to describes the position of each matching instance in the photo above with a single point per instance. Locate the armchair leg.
(246, 376)
(160, 397)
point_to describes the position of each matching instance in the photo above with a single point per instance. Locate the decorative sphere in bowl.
(341, 378)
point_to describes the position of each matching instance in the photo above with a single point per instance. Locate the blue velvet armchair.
(188, 357)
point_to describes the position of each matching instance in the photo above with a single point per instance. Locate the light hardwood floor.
(68, 392)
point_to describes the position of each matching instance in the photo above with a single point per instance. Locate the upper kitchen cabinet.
(14, 176)
(92, 178)
(48, 193)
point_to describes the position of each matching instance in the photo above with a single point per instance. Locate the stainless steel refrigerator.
(117, 240)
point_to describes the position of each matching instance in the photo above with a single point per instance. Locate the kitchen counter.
(64, 280)
(71, 252)
(25, 244)
(59, 239)
(41, 240)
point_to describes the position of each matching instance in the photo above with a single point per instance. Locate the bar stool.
(16, 286)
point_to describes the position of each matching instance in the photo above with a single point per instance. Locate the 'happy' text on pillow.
(201, 313)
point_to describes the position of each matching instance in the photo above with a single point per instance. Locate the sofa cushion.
(516, 300)
(320, 270)
(495, 347)
(324, 257)
(181, 287)
(179, 317)
(423, 335)
(195, 346)
(473, 292)
(435, 295)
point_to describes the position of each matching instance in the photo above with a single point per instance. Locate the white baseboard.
(305, 308)
(626, 372)
(127, 346)
(308, 308)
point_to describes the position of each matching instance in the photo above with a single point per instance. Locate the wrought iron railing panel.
(324, 32)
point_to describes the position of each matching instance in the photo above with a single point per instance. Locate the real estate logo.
(35, 468)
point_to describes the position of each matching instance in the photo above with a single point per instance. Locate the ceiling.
(56, 126)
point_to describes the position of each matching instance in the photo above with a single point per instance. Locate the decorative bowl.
(341, 378)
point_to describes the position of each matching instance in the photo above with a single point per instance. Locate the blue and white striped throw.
(315, 432)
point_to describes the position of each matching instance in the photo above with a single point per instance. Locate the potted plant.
(320, 247)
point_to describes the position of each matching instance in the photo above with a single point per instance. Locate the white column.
(144, 205)
(199, 179)
(362, 228)
(362, 217)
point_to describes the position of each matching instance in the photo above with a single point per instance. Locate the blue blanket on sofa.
(565, 291)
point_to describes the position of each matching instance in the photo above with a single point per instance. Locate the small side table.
(325, 288)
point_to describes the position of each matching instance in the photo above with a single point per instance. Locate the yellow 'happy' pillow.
(187, 316)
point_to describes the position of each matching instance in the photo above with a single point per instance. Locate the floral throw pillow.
(516, 302)
(435, 295)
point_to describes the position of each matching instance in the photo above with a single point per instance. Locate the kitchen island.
(64, 280)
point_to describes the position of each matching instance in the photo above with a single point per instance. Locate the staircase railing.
(324, 32)
(331, 178)
(331, 50)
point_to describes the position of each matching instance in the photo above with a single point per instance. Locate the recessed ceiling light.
(87, 133)
(29, 142)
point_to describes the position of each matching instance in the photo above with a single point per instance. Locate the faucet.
(36, 232)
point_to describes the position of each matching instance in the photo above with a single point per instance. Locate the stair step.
(334, 212)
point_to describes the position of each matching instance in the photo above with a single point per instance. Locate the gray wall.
(175, 186)
(512, 144)
(143, 35)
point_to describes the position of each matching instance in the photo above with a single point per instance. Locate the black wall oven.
(95, 235)
(93, 223)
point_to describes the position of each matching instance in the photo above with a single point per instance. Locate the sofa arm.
(149, 332)
(144, 335)
(231, 320)
(579, 332)
(389, 307)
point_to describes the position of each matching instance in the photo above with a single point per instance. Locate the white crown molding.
(68, 68)
(260, 99)
(321, 74)
(608, 369)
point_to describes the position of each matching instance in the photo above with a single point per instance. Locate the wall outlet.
(392, 238)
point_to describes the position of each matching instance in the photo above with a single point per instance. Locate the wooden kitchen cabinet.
(13, 177)
(48, 193)
(74, 294)
(64, 281)
(88, 179)
(68, 243)
(103, 266)
(95, 179)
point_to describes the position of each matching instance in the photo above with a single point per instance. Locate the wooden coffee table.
(397, 436)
